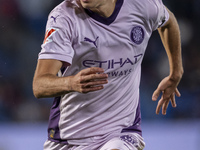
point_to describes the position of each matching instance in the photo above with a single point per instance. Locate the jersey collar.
(109, 20)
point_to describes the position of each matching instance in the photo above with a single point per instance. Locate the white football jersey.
(117, 44)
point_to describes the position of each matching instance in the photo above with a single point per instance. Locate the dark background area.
(22, 29)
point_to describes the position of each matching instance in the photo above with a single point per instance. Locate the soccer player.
(91, 63)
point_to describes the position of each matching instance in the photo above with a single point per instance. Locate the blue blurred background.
(23, 118)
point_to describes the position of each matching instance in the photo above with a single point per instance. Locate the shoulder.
(65, 13)
(147, 8)
(152, 12)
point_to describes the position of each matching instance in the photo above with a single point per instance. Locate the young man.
(91, 62)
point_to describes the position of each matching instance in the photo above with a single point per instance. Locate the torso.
(117, 44)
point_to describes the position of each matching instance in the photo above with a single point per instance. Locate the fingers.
(91, 74)
(159, 105)
(156, 94)
(173, 101)
(92, 86)
(164, 107)
(169, 90)
(90, 79)
(177, 93)
(164, 103)
(93, 77)
(92, 89)
(92, 70)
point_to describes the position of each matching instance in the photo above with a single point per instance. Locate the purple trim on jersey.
(53, 129)
(63, 69)
(110, 19)
(136, 127)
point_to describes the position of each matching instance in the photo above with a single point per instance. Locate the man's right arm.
(46, 83)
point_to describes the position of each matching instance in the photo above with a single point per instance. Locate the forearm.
(46, 83)
(170, 36)
(50, 86)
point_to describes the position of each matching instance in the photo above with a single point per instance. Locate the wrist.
(176, 75)
(68, 84)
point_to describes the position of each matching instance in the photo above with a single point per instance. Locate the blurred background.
(24, 119)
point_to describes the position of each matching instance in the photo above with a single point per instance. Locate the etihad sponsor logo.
(111, 64)
(119, 73)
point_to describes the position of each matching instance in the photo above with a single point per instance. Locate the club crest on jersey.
(137, 35)
(49, 33)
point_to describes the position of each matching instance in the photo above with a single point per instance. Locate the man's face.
(92, 4)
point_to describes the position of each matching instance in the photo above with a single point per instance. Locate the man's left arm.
(170, 36)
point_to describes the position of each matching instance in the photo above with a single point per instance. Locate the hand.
(168, 87)
(88, 80)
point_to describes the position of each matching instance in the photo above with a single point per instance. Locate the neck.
(105, 9)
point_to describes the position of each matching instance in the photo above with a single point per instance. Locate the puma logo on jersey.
(91, 41)
(48, 34)
(54, 18)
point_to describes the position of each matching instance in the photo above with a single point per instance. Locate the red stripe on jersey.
(48, 34)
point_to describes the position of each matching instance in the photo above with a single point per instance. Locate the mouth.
(85, 1)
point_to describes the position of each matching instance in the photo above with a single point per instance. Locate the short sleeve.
(162, 14)
(58, 39)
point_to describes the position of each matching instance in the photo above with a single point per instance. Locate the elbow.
(36, 94)
(36, 90)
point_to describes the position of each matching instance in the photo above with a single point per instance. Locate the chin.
(86, 4)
